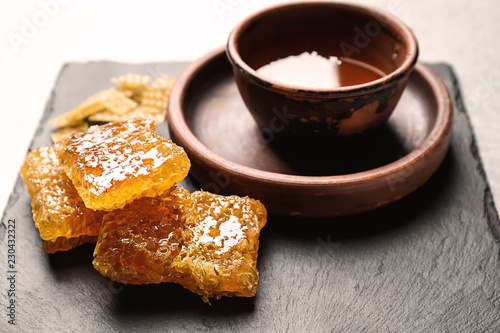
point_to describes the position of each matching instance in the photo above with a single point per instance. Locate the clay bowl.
(363, 34)
(207, 117)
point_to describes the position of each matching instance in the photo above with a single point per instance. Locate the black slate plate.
(427, 263)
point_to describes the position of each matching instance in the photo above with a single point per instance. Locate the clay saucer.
(229, 155)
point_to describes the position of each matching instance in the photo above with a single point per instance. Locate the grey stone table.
(428, 263)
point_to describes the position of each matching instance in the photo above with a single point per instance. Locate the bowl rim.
(389, 79)
(177, 123)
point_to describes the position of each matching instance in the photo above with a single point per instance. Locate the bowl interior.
(345, 31)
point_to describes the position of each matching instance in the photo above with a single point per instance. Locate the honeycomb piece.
(154, 101)
(134, 84)
(219, 254)
(138, 243)
(67, 131)
(126, 91)
(131, 81)
(205, 242)
(156, 115)
(58, 210)
(165, 83)
(117, 102)
(76, 116)
(108, 116)
(113, 100)
(137, 93)
(112, 165)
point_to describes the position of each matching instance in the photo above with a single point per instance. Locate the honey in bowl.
(361, 34)
(312, 70)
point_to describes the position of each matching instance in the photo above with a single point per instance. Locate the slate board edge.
(490, 210)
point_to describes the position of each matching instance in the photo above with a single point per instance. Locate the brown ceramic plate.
(230, 156)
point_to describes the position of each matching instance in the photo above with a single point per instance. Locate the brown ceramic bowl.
(363, 34)
(208, 118)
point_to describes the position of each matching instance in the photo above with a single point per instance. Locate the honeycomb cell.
(138, 243)
(114, 164)
(154, 99)
(205, 242)
(165, 83)
(219, 254)
(157, 115)
(58, 210)
(118, 102)
(132, 81)
(133, 84)
(76, 116)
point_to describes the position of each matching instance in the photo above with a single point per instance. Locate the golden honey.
(206, 242)
(114, 164)
(58, 210)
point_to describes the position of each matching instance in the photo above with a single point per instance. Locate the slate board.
(429, 263)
